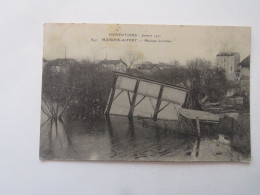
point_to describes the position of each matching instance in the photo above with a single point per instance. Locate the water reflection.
(198, 147)
(118, 138)
(131, 130)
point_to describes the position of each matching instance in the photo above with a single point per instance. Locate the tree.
(206, 81)
(79, 89)
(174, 74)
(132, 58)
(57, 90)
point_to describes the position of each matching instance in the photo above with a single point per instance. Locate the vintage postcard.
(125, 92)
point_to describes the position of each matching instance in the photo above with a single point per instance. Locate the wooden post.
(158, 104)
(112, 94)
(186, 102)
(198, 147)
(132, 105)
(198, 125)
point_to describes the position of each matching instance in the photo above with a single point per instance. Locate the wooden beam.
(140, 101)
(150, 98)
(158, 104)
(164, 106)
(132, 106)
(118, 95)
(111, 97)
(152, 81)
(129, 97)
(187, 99)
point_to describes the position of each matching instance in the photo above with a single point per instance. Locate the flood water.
(120, 139)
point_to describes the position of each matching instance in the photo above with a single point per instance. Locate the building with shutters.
(229, 61)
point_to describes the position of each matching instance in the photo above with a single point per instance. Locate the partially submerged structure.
(148, 99)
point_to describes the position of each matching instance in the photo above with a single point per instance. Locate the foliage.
(81, 89)
(241, 135)
(56, 92)
(78, 89)
(200, 77)
(177, 75)
(133, 58)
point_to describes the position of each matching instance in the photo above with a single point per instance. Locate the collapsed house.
(148, 99)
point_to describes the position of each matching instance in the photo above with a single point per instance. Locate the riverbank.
(241, 135)
(235, 130)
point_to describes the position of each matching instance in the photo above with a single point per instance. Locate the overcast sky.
(186, 42)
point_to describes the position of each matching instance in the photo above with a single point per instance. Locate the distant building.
(164, 66)
(229, 62)
(148, 68)
(115, 65)
(59, 65)
(245, 75)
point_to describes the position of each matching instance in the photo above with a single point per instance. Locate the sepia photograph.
(128, 92)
